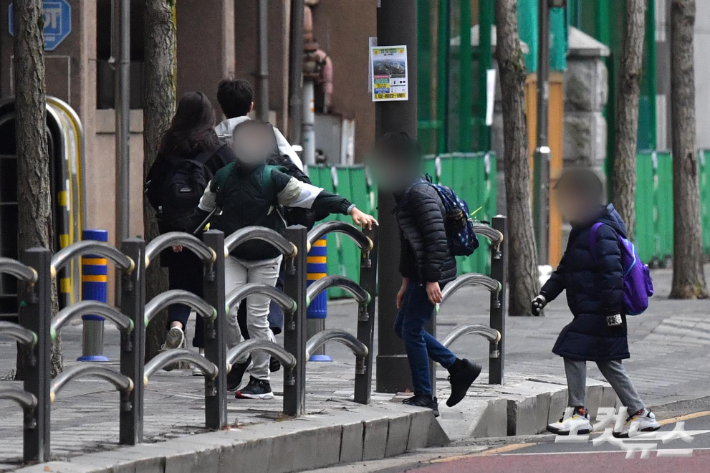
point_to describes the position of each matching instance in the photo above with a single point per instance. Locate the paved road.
(544, 454)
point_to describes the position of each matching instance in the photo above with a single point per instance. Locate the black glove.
(538, 304)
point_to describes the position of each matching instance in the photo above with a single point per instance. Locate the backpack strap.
(222, 179)
(267, 183)
(593, 238)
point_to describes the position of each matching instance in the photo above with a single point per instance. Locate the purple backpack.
(638, 286)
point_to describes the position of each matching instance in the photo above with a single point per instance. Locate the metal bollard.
(366, 319)
(294, 324)
(318, 309)
(499, 270)
(36, 315)
(94, 286)
(133, 343)
(215, 334)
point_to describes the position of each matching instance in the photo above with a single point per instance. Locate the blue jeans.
(416, 310)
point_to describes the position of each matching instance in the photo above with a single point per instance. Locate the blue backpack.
(638, 286)
(459, 227)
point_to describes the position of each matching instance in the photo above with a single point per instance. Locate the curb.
(343, 433)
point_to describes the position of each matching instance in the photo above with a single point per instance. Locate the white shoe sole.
(625, 435)
(566, 432)
(174, 339)
(265, 396)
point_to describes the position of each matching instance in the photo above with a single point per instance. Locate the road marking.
(519, 446)
(507, 448)
(694, 415)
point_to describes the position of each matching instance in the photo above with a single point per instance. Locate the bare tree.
(627, 114)
(159, 107)
(33, 181)
(522, 268)
(688, 276)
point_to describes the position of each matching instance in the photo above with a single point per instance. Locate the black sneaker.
(234, 377)
(461, 378)
(256, 389)
(421, 400)
(274, 365)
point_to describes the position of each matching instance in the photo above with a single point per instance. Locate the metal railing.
(363, 292)
(496, 285)
(37, 328)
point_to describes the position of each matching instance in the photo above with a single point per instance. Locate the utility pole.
(541, 176)
(263, 105)
(122, 104)
(296, 71)
(396, 25)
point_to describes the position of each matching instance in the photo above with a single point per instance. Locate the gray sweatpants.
(237, 273)
(614, 373)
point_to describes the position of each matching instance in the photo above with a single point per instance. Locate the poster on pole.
(389, 73)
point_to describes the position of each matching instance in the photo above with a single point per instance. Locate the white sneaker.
(197, 371)
(174, 339)
(578, 423)
(642, 421)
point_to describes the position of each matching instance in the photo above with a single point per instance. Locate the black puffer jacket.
(425, 254)
(595, 289)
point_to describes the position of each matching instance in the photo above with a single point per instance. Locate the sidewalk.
(85, 414)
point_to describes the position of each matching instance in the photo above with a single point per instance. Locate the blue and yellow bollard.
(94, 287)
(318, 310)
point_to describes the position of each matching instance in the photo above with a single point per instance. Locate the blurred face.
(253, 144)
(394, 171)
(575, 205)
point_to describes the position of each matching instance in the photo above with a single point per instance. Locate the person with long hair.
(190, 154)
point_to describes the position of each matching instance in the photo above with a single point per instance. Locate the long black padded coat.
(425, 254)
(594, 288)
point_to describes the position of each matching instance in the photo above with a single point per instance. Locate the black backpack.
(182, 189)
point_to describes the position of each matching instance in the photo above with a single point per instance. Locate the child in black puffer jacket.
(595, 295)
(426, 265)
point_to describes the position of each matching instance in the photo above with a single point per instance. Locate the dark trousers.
(414, 313)
(276, 314)
(185, 272)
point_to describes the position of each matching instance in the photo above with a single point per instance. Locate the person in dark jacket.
(595, 295)
(191, 136)
(426, 265)
(249, 193)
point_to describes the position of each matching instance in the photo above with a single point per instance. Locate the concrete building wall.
(342, 29)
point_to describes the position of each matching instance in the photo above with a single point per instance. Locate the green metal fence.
(471, 175)
(653, 234)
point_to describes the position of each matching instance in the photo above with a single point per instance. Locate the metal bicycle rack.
(37, 328)
(362, 345)
(33, 335)
(495, 284)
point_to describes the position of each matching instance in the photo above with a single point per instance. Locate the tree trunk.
(627, 114)
(522, 268)
(158, 110)
(688, 277)
(33, 181)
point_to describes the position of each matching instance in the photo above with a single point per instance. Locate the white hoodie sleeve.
(285, 148)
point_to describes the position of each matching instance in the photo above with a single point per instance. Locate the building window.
(105, 50)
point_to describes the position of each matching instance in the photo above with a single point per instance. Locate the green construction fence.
(471, 175)
(653, 235)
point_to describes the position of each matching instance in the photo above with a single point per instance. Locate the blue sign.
(57, 22)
